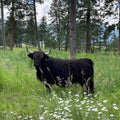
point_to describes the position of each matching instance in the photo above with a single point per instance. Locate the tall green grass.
(22, 96)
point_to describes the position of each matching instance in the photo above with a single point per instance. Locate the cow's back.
(60, 70)
(81, 69)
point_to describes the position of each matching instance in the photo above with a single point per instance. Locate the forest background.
(97, 25)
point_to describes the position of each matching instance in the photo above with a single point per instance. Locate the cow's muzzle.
(37, 63)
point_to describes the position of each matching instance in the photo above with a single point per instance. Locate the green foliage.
(0, 31)
(22, 96)
(42, 29)
(56, 34)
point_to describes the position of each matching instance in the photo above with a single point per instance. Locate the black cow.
(63, 72)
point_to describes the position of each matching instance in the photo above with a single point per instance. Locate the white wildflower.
(80, 108)
(30, 117)
(15, 114)
(77, 95)
(99, 104)
(46, 111)
(104, 109)
(67, 101)
(66, 108)
(95, 109)
(95, 95)
(114, 104)
(99, 113)
(88, 101)
(85, 98)
(99, 117)
(11, 112)
(77, 100)
(57, 117)
(82, 102)
(60, 98)
(87, 113)
(4, 112)
(87, 106)
(88, 109)
(105, 101)
(54, 115)
(89, 95)
(19, 117)
(60, 102)
(61, 105)
(91, 98)
(41, 106)
(93, 106)
(41, 118)
(116, 108)
(63, 113)
(60, 109)
(26, 117)
(70, 106)
(51, 114)
(92, 101)
(111, 115)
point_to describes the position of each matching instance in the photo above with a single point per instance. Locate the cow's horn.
(47, 53)
(28, 50)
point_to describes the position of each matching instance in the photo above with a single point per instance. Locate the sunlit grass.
(23, 97)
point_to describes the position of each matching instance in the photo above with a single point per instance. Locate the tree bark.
(3, 27)
(36, 28)
(58, 35)
(119, 29)
(12, 31)
(73, 29)
(87, 30)
(67, 27)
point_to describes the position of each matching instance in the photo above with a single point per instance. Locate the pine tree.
(119, 28)
(30, 35)
(73, 29)
(3, 27)
(42, 30)
(16, 9)
(56, 16)
(37, 36)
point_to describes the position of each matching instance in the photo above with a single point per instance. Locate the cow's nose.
(37, 63)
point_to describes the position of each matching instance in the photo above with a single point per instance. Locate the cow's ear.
(30, 55)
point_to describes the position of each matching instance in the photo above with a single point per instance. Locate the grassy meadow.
(23, 97)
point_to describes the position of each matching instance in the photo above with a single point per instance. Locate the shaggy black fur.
(63, 72)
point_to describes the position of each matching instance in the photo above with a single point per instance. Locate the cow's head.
(38, 57)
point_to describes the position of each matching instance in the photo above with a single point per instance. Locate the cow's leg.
(48, 88)
(38, 73)
(89, 85)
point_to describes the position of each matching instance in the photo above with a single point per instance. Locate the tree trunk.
(73, 29)
(36, 26)
(12, 31)
(67, 39)
(58, 36)
(3, 27)
(58, 29)
(87, 30)
(67, 27)
(119, 29)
